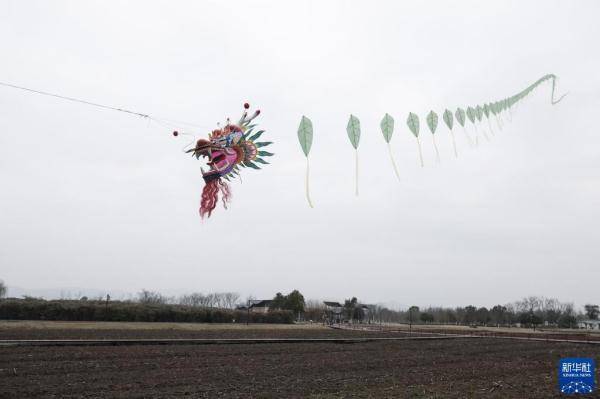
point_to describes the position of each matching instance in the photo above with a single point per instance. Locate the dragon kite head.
(227, 150)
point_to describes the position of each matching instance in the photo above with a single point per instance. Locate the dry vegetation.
(117, 325)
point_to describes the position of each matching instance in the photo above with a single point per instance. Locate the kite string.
(179, 132)
(74, 100)
(94, 104)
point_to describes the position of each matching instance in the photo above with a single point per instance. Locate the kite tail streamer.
(356, 176)
(393, 162)
(469, 139)
(490, 125)
(499, 122)
(210, 196)
(420, 152)
(487, 138)
(483, 132)
(437, 152)
(454, 144)
(307, 187)
(476, 135)
(552, 95)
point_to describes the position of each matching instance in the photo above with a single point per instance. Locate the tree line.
(94, 310)
(147, 306)
(225, 307)
(530, 311)
(219, 300)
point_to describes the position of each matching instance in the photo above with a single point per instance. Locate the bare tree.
(314, 310)
(151, 298)
(592, 311)
(195, 299)
(230, 299)
(227, 300)
(213, 300)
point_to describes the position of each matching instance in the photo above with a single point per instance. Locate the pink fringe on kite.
(210, 196)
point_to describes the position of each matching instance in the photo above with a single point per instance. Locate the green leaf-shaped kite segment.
(479, 113)
(305, 135)
(260, 160)
(486, 110)
(265, 154)
(471, 114)
(448, 119)
(432, 121)
(387, 127)
(460, 116)
(353, 130)
(413, 123)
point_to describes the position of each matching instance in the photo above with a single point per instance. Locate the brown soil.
(458, 368)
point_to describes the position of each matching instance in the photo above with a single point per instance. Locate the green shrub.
(75, 310)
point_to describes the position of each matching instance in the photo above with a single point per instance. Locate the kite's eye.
(175, 133)
(246, 105)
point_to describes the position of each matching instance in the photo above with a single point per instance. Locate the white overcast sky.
(96, 199)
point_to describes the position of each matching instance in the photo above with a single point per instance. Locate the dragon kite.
(227, 150)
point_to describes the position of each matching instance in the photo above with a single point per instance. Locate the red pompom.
(175, 133)
(246, 105)
(258, 112)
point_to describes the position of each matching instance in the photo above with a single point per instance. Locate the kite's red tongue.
(210, 196)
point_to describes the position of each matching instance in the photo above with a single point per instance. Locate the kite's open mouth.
(220, 160)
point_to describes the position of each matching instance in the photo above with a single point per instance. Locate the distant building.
(256, 305)
(368, 315)
(334, 312)
(589, 324)
(260, 306)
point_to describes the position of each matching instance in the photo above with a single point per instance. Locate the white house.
(589, 324)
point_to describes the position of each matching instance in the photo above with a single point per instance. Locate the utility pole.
(106, 307)
(248, 312)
